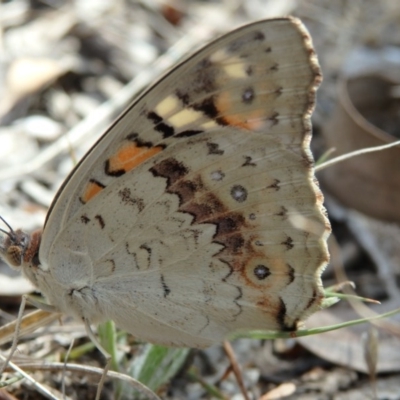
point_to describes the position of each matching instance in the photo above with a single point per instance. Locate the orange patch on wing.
(130, 156)
(92, 189)
(253, 120)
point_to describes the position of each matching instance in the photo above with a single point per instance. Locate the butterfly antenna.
(11, 232)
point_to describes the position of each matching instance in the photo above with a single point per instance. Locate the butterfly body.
(178, 223)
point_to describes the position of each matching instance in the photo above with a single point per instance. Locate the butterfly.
(178, 223)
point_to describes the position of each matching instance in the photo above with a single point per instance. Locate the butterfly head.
(18, 248)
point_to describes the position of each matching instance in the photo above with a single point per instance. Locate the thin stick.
(235, 367)
(65, 369)
(58, 366)
(16, 334)
(29, 323)
(354, 154)
(103, 351)
(37, 385)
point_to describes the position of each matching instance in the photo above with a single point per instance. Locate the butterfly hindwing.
(178, 224)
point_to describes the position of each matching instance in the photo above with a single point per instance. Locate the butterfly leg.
(16, 334)
(41, 305)
(103, 351)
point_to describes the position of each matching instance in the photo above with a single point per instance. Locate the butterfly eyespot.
(252, 216)
(261, 272)
(239, 193)
(217, 176)
(248, 95)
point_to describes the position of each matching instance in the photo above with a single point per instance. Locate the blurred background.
(67, 69)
